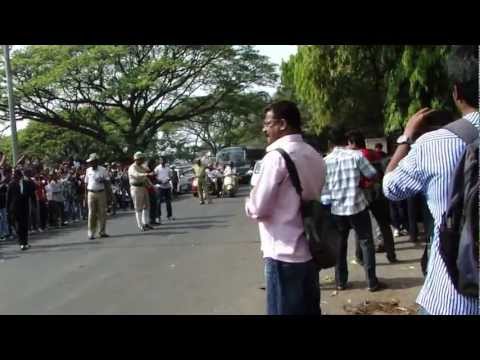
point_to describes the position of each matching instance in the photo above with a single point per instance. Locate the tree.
(53, 144)
(370, 87)
(418, 80)
(174, 139)
(129, 92)
(236, 120)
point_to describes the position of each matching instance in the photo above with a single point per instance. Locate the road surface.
(207, 261)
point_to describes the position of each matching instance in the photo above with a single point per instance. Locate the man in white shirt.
(55, 199)
(229, 169)
(164, 189)
(95, 180)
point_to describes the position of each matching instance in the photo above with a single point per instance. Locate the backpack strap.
(464, 129)
(292, 171)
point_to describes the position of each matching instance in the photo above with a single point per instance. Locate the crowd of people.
(355, 185)
(59, 195)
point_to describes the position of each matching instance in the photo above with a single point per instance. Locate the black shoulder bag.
(320, 230)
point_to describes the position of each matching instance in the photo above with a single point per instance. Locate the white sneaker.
(396, 233)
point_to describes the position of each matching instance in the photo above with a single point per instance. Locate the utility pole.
(11, 113)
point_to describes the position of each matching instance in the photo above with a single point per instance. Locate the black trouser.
(43, 209)
(52, 213)
(379, 210)
(56, 213)
(153, 206)
(362, 225)
(414, 209)
(20, 222)
(165, 195)
(33, 222)
(398, 214)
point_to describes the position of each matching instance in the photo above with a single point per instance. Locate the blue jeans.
(3, 222)
(292, 288)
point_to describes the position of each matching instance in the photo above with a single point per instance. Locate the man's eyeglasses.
(267, 124)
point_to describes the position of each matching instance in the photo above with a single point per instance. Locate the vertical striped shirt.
(428, 168)
(342, 187)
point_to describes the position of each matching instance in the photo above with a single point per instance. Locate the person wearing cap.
(20, 194)
(138, 178)
(95, 179)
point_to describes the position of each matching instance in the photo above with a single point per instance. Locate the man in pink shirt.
(292, 282)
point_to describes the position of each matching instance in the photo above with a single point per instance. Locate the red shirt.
(40, 190)
(371, 156)
(151, 189)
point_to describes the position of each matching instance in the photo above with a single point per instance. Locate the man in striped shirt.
(427, 166)
(349, 206)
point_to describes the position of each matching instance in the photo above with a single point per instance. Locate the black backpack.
(459, 229)
(322, 235)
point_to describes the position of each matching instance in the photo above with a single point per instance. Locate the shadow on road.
(155, 232)
(195, 227)
(7, 257)
(181, 221)
(391, 284)
(400, 262)
(414, 247)
(204, 217)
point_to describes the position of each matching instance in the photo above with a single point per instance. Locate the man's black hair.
(18, 173)
(357, 138)
(336, 135)
(462, 69)
(287, 110)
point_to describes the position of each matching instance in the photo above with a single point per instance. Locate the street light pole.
(11, 112)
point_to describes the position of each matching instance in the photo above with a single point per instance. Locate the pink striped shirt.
(275, 204)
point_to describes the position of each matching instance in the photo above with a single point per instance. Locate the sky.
(276, 53)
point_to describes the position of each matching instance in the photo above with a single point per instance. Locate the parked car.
(186, 177)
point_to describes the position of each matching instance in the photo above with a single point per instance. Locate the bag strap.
(292, 171)
(464, 129)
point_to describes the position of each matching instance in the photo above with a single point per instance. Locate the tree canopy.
(374, 86)
(122, 96)
(52, 144)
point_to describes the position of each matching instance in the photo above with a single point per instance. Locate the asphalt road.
(207, 261)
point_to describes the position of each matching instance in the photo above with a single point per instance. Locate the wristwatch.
(404, 139)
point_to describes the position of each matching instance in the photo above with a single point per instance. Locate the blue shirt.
(428, 168)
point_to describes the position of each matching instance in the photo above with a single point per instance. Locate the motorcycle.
(230, 185)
